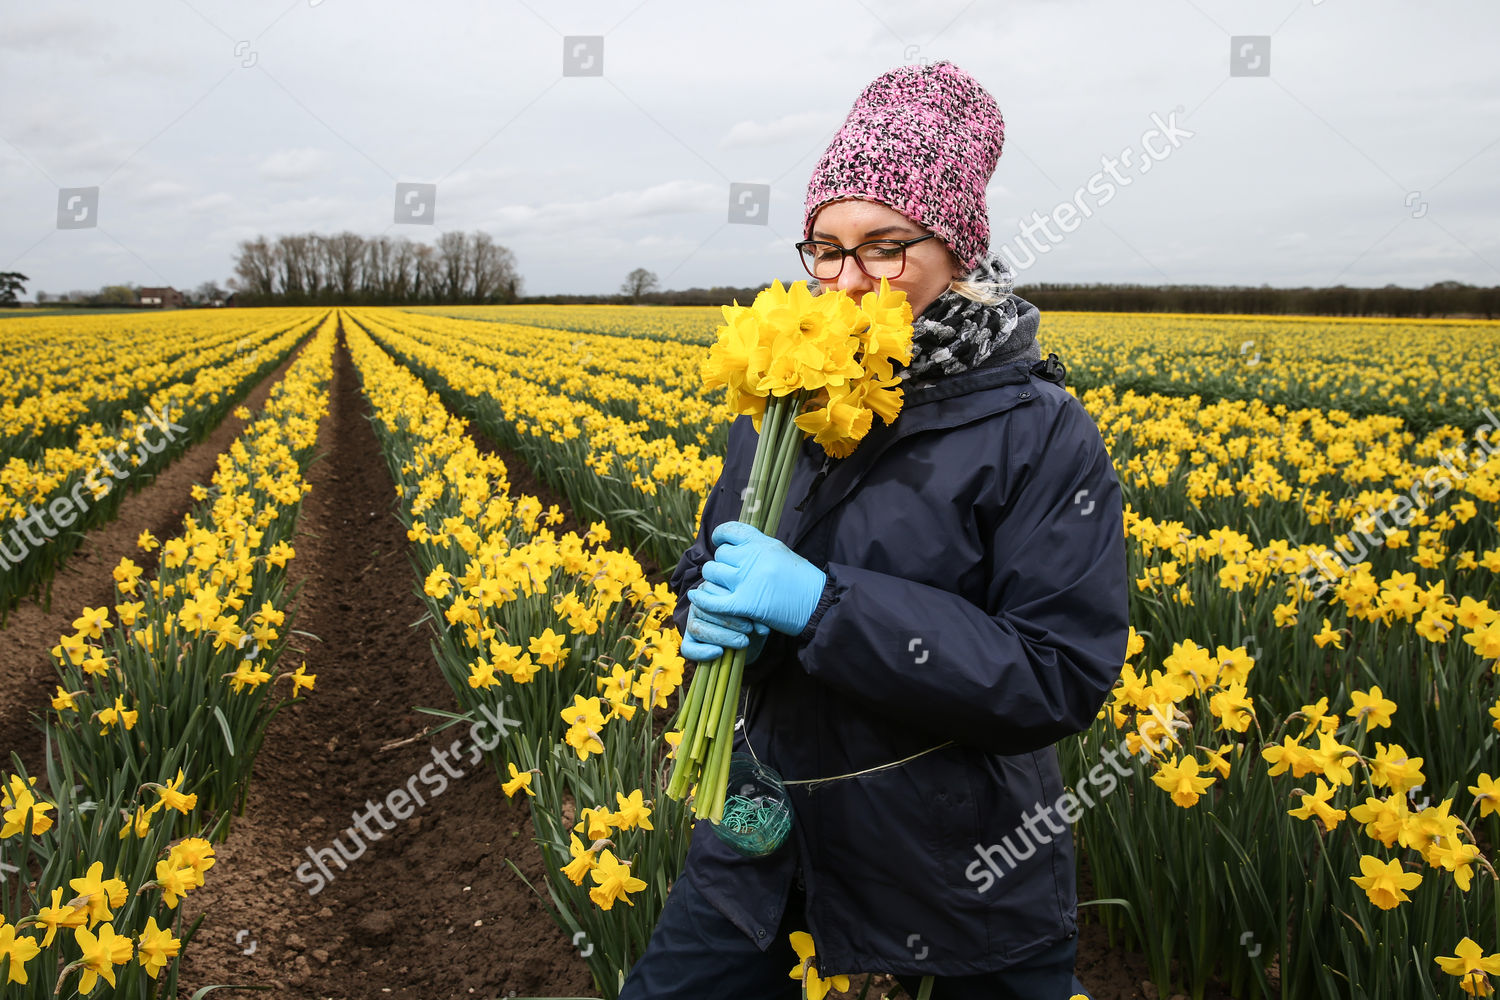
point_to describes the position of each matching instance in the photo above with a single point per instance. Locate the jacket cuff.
(825, 601)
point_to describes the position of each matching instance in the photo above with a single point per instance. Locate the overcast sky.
(1366, 154)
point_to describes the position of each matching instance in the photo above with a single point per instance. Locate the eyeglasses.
(877, 258)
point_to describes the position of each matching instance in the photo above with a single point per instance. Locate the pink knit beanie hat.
(923, 140)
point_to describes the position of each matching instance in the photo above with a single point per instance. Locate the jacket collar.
(921, 391)
(972, 395)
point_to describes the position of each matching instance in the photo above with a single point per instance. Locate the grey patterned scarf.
(955, 334)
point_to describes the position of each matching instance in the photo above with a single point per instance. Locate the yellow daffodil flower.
(1472, 967)
(1384, 881)
(156, 947)
(614, 881)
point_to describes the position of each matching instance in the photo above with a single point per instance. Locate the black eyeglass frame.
(809, 263)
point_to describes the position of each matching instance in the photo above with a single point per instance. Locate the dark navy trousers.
(695, 953)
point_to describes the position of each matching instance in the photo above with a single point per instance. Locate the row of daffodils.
(562, 645)
(63, 374)
(162, 702)
(1429, 372)
(93, 408)
(623, 429)
(1292, 789)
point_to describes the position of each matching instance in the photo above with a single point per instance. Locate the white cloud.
(160, 190)
(210, 202)
(290, 165)
(583, 177)
(567, 219)
(802, 126)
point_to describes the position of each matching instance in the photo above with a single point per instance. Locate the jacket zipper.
(812, 487)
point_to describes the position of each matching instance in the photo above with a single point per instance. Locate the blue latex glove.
(708, 635)
(753, 575)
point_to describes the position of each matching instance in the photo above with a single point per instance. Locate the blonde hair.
(990, 293)
(987, 292)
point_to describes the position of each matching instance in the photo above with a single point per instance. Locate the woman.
(936, 611)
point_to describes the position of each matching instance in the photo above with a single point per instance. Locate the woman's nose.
(852, 279)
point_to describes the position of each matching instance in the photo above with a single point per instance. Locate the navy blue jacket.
(977, 592)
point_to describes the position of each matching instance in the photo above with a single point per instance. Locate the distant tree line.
(640, 288)
(117, 296)
(347, 268)
(1446, 298)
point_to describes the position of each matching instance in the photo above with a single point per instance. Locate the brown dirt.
(430, 911)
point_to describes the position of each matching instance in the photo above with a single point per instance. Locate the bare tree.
(638, 283)
(486, 266)
(255, 266)
(343, 253)
(452, 249)
(426, 274)
(403, 259)
(296, 254)
(347, 267)
(509, 281)
(377, 268)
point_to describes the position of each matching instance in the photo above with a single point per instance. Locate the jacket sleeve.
(1036, 663)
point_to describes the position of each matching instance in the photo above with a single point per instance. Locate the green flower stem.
(785, 459)
(708, 714)
(692, 714)
(782, 464)
(705, 721)
(716, 778)
(700, 716)
(765, 447)
(698, 729)
(780, 440)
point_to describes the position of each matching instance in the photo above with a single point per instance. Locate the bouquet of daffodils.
(798, 365)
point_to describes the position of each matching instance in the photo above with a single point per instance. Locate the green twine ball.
(757, 812)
